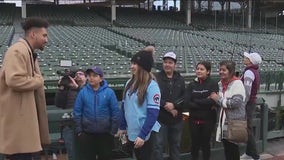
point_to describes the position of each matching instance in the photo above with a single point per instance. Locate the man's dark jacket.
(172, 90)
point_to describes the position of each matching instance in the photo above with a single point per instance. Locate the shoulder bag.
(237, 131)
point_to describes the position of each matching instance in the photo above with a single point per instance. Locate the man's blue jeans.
(68, 136)
(169, 135)
(251, 144)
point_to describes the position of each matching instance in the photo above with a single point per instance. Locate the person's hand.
(169, 106)
(214, 96)
(38, 76)
(80, 134)
(120, 133)
(82, 137)
(139, 142)
(73, 83)
(214, 108)
(174, 112)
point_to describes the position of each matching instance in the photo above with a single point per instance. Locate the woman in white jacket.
(231, 98)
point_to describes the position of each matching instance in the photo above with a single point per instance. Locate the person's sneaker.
(246, 157)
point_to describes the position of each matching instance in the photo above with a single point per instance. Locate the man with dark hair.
(65, 98)
(35, 32)
(172, 88)
(23, 118)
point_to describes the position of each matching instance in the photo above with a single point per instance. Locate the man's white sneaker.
(246, 157)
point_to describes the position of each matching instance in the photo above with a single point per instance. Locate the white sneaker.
(246, 157)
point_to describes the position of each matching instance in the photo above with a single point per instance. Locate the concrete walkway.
(274, 150)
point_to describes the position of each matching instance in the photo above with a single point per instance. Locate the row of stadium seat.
(6, 35)
(135, 17)
(113, 47)
(6, 14)
(70, 15)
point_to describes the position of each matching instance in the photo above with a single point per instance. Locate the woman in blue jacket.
(141, 106)
(96, 116)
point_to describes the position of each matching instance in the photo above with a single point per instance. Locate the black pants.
(231, 150)
(251, 145)
(36, 156)
(94, 146)
(144, 152)
(200, 138)
(20, 156)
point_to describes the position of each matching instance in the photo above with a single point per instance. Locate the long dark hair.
(139, 83)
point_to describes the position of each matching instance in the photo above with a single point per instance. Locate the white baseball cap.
(254, 57)
(171, 55)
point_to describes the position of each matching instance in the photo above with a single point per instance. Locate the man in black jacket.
(65, 99)
(172, 88)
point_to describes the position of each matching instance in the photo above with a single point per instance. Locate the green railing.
(260, 125)
(270, 81)
(267, 124)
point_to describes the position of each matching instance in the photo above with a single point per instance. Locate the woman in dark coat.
(202, 109)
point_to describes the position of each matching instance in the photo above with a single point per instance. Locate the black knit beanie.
(144, 59)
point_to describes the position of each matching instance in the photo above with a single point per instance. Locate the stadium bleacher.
(67, 15)
(88, 38)
(6, 33)
(6, 14)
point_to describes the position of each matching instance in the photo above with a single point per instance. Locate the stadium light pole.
(24, 9)
(233, 19)
(225, 14)
(249, 13)
(113, 11)
(260, 20)
(276, 22)
(188, 12)
(215, 23)
(265, 23)
(243, 15)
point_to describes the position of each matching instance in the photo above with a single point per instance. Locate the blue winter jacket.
(96, 111)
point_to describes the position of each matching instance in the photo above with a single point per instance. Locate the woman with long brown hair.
(140, 109)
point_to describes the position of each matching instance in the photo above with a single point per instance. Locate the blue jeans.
(68, 136)
(251, 145)
(170, 134)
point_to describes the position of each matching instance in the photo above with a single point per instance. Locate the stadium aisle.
(275, 150)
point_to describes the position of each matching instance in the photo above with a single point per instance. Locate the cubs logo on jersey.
(156, 98)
